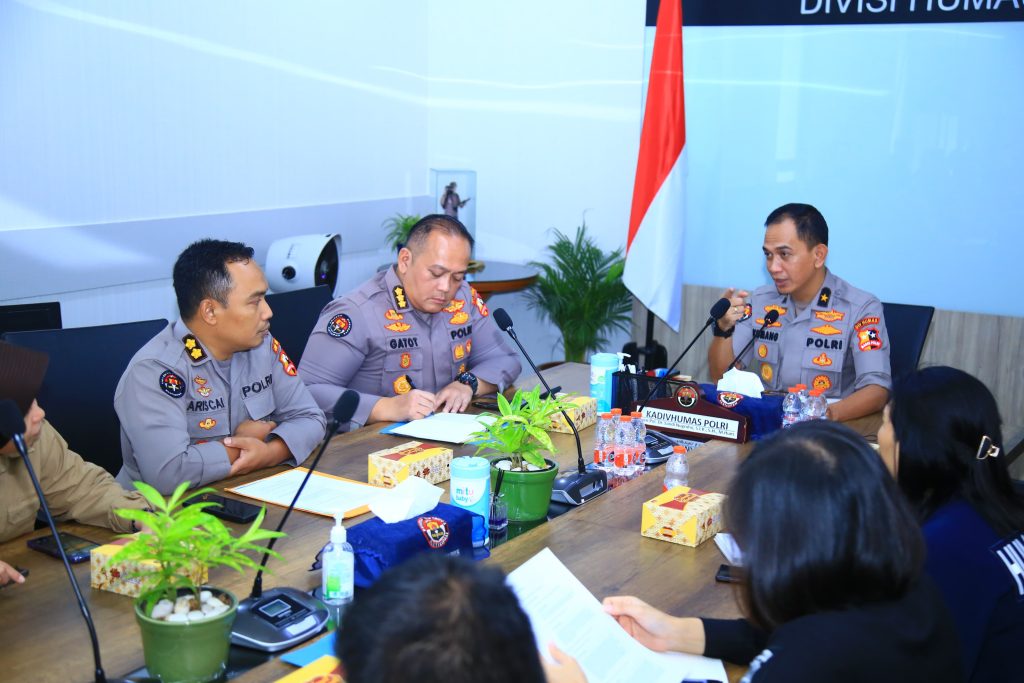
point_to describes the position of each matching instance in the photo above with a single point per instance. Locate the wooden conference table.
(43, 637)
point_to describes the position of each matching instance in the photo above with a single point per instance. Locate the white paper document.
(325, 494)
(447, 427)
(563, 611)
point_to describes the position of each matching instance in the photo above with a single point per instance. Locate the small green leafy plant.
(184, 540)
(398, 227)
(519, 430)
(582, 293)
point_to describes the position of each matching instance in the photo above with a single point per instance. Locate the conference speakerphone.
(283, 617)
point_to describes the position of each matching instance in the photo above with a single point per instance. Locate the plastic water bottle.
(338, 572)
(805, 402)
(817, 406)
(641, 441)
(791, 408)
(604, 441)
(677, 469)
(625, 448)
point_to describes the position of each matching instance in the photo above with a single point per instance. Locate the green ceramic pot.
(187, 653)
(527, 494)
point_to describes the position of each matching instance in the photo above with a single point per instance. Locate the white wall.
(543, 101)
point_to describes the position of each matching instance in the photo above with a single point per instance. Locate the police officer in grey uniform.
(415, 338)
(213, 394)
(829, 334)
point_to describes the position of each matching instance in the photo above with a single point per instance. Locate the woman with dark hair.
(438, 619)
(832, 559)
(941, 439)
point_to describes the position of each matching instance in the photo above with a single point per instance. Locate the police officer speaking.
(415, 338)
(829, 334)
(213, 394)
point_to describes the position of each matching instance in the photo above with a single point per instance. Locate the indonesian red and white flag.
(654, 245)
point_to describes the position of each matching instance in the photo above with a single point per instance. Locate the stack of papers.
(324, 494)
(446, 427)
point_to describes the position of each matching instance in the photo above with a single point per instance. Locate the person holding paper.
(833, 562)
(942, 440)
(829, 334)
(438, 619)
(214, 394)
(415, 338)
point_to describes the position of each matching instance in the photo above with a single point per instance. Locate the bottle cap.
(635, 415)
(606, 416)
(616, 411)
(801, 386)
(794, 390)
(816, 392)
(338, 532)
(679, 449)
(625, 418)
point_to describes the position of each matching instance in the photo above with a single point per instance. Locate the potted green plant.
(398, 227)
(582, 293)
(517, 437)
(186, 627)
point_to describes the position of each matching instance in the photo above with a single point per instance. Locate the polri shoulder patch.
(824, 296)
(339, 326)
(171, 384)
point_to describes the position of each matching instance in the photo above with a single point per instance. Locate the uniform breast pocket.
(206, 426)
(260, 406)
(399, 365)
(762, 352)
(822, 369)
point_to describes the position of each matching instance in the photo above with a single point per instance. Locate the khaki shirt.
(176, 403)
(839, 342)
(74, 489)
(373, 341)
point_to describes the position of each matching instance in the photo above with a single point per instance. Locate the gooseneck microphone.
(574, 488)
(769, 319)
(12, 425)
(718, 309)
(283, 617)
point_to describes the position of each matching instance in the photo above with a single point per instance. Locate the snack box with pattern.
(121, 576)
(683, 515)
(583, 413)
(411, 459)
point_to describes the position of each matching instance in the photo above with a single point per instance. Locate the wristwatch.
(718, 332)
(469, 379)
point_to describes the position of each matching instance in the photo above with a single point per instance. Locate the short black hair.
(939, 417)
(201, 273)
(822, 525)
(438, 619)
(449, 225)
(811, 227)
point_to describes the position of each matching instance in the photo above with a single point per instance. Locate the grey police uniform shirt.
(176, 402)
(838, 342)
(373, 341)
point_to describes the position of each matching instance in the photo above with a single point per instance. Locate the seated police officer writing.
(415, 338)
(213, 394)
(74, 489)
(829, 334)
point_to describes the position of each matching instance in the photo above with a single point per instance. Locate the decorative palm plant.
(398, 227)
(582, 293)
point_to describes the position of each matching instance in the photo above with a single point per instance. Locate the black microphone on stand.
(717, 311)
(283, 617)
(12, 425)
(769, 319)
(574, 488)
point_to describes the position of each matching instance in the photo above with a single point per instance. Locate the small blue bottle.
(471, 489)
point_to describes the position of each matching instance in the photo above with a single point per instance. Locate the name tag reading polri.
(706, 425)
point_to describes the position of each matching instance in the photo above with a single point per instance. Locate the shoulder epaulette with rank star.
(401, 302)
(195, 350)
(824, 296)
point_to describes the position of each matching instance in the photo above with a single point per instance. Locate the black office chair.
(908, 328)
(295, 313)
(78, 390)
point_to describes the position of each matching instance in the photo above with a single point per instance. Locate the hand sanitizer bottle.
(338, 572)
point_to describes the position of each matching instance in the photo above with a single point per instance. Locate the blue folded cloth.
(379, 546)
(765, 413)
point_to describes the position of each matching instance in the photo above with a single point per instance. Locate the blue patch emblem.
(172, 385)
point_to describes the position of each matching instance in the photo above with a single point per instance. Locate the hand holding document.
(563, 611)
